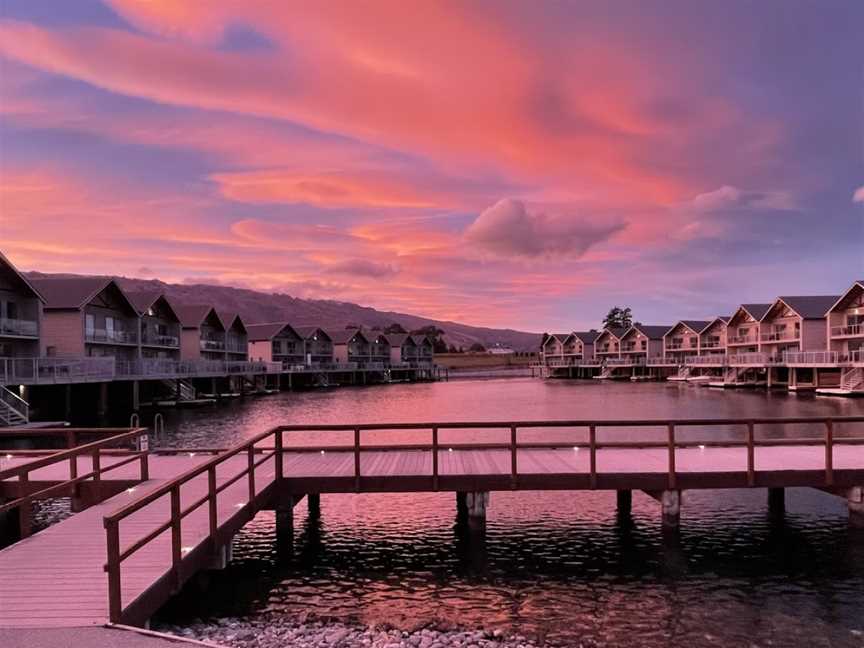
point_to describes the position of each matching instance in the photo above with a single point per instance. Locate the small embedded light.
(701, 447)
(191, 454)
(576, 448)
(186, 549)
(130, 490)
(9, 456)
(322, 452)
(239, 505)
(449, 449)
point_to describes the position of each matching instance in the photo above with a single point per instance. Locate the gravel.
(278, 632)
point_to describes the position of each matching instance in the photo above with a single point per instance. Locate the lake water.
(556, 566)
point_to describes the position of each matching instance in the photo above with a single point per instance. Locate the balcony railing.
(25, 328)
(55, 370)
(151, 339)
(855, 330)
(208, 344)
(745, 359)
(117, 336)
(711, 345)
(780, 336)
(742, 339)
(716, 360)
(813, 357)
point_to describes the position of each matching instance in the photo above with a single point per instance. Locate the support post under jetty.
(855, 499)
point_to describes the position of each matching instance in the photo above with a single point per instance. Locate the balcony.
(853, 330)
(711, 345)
(209, 344)
(716, 360)
(747, 359)
(105, 336)
(151, 339)
(742, 339)
(237, 346)
(812, 358)
(781, 336)
(19, 327)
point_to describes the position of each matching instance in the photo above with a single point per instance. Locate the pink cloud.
(508, 228)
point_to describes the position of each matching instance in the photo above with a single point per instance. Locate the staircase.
(852, 379)
(187, 389)
(730, 376)
(13, 409)
(684, 372)
(605, 373)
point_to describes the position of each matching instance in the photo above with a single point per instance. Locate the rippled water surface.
(557, 566)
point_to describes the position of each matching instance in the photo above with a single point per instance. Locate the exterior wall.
(190, 344)
(340, 353)
(780, 331)
(846, 324)
(634, 344)
(63, 334)
(680, 342)
(708, 345)
(287, 348)
(236, 344)
(607, 346)
(587, 352)
(813, 335)
(742, 326)
(160, 336)
(20, 314)
(319, 351)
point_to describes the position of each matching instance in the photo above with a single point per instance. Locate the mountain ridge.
(256, 306)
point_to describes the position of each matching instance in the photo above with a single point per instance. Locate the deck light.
(186, 549)
(130, 490)
(576, 448)
(239, 505)
(9, 457)
(191, 454)
(449, 449)
(701, 447)
(322, 452)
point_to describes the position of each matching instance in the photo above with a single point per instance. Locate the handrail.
(93, 449)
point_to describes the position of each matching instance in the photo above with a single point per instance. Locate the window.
(109, 328)
(90, 324)
(11, 310)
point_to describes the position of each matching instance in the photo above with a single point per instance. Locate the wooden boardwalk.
(158, 533)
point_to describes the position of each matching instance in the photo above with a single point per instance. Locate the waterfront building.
(403, 349)
(585, 341)
(20, 313)
(712, 338)
(682, 340)
(87, 316)
(317, 345)
(236, 337)
(202, 332)
(350, 346)
(742, 331)
(425, 350)
(795, 324)
(159, 325)
(608, 343)
(641, 342)
(560, 349)
(275, 342)
(846, 324)
(379, 348)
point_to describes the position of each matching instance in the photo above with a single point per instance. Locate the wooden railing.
(172, 490)
(95, 450)
(270, 445)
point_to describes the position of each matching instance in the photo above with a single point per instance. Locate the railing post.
(357, 459)
(592, 448)
(514, 469)
(97, 475)
(251, 463)
(671, 456)
(176, 535)
(751, 455)
(829, 452)
(279, 444)
(435, 458)
(25, 509)
(112, 566)
(212, 494)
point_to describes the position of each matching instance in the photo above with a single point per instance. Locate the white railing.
(742, 339)
(780, 337)
(208, 344)
(812, 357)
(744, 359)
(18, 410)
(626, 362)
(710, 345)
(715, 360)
(111, 337)
(19, 327)
(55, 370)
(160, 340)
(852, 329)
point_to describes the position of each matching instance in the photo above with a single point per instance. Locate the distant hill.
(255, 306)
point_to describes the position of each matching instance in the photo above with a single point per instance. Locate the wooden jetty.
(152, 519)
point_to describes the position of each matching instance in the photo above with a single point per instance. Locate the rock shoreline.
(283, 633)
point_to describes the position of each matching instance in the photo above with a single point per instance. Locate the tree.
(477, 348)
(452, 349)
(618, 317)
(395, 328)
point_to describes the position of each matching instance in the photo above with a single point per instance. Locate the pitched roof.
(267, 331)
(193, 315)
(859, 283)
(398, 339)
(143, 301)
(228, 319)
(343, 336)
(809, 306)
(65, 293)
(421, 339)
(587, 337)
(613, 330)
(306, 332)
(24, 281)
(756, 311)
(719, 318)
(651, 331)
(697, 326)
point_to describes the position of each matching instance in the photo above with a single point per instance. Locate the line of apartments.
(53, 329)
(800, 341)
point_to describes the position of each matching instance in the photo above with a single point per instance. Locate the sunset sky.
(500, 163)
